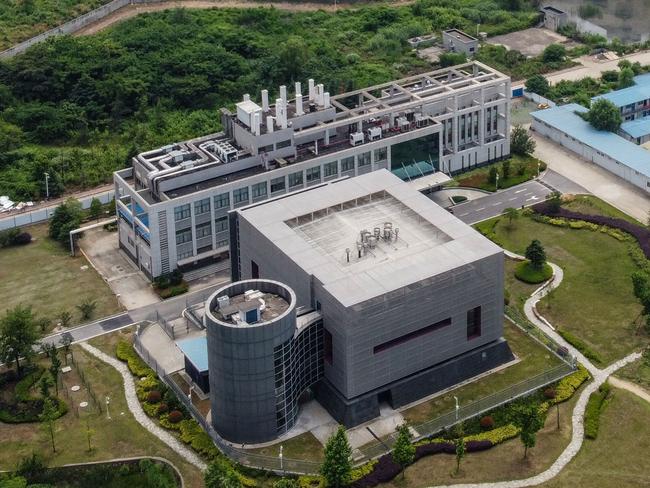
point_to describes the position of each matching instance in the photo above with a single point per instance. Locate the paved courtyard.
(529, 42)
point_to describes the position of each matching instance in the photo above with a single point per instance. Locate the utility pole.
(47, 186)
(281, 464)
(497, 183)
(457, 406)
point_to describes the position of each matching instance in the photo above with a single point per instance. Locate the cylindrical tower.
(247, 323)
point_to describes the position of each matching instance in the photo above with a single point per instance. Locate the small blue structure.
(196, 360)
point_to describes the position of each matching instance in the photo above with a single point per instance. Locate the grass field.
(119, 437)
(534, 359)
(619, 457)
(42, 274)
(595, 301)
(478, 178)
(22, 19)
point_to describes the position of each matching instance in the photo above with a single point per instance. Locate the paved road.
(490, 206)
(94, 329)
(561, 183)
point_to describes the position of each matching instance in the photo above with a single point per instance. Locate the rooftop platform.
(271, 306)
(315, 228)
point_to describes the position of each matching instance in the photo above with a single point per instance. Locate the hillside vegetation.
(22, 19)
(79, 107)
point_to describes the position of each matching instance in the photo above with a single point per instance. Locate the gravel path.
(577, 418)
(141, 417)
(631, 387)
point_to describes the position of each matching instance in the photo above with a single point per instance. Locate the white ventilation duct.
(298, 88)
(281, 113)
(283, 93)
(299, 110)
(326, 99)
(269, 124)
(319, 94)
(247, 97)
(256, 123)
(311, 90)
(265, 100)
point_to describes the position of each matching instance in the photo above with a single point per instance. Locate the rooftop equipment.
(356, 138)
(374, 133)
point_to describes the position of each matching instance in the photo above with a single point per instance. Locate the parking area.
(530, 42)
(130, 286)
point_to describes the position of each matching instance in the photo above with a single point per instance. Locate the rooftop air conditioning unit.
(356, 138)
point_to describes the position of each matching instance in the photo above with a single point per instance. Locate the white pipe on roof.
(265, 100)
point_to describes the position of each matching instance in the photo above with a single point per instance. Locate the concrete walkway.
(631, 387)
(136, 409)
(577, 418)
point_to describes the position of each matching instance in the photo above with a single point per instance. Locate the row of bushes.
(173, 291)
(595, 406)
(580, 345)
(14, 237)
(170, 284)
(581, 224)
(125, 352)
(386, 469)
(641, 234)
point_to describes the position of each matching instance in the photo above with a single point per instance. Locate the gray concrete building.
(173, 201)
(457, 41)
(403, 298)
(553, 18)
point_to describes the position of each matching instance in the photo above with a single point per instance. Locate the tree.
(527, 417)
(286, 483)
(403, 449)
(89, 436)
(221, 474)
(65, 317)
(520, 141)
(18, 334)
(459, 444)
(67, 217)
(626, 78)
(48, 416)
(554, 201)
(95, 210)
(537, 84)
(492, 175)
(511, 214)
(66, 342)
(87, 308)
(44, 384)
(604, 115)
(505, 168)
(451, 59)
(554, 53)
(337, 464)
(55, 366)
(536, 255)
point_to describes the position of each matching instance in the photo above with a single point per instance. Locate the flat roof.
(637, 128)
(565, 119)
(459, 34)
(315, 228)
(196, 351)
(633, 94)
(550, 8)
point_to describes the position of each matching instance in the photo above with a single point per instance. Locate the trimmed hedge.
(125, 352)
(526, 273)
(25, 408)
(595, 406)
(641, 234)
(580, 345)
(173, 291)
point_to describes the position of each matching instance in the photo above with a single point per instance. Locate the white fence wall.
(73, 25)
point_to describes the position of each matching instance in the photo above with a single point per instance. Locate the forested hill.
(79, 107)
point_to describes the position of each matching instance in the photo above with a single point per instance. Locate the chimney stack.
(319, 94)
(247, 97)
(298, 88)
(281, 113)
(283, 93)
(299, 110)
(265, 100)
(326, 99)
(311, 90)
(256, 123)
(269, 124)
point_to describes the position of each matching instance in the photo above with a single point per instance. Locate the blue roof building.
(196, 360)
(611, 151)
(634, 101)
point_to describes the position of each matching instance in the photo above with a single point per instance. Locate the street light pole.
(108, 414)
(457, 406)
(497, 183)
(47, 186)
(281, 463)
(538, 163)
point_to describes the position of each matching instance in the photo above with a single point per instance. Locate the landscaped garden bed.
(527, 273)
(519, 169)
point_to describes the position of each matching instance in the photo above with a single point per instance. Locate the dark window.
(474, 323)
(411, 335)
(281, 144)
(328, 350)
(255, 270)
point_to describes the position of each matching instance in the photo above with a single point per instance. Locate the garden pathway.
(631, 387)
(577, 417)
(141, 417)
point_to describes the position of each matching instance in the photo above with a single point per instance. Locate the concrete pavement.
(593, 67)
(88, 331)
(593, 178)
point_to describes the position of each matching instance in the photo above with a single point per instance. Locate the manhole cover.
(83, 404)
(75, 388)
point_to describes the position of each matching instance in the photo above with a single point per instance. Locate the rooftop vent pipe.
(311, 90)
(265, 100)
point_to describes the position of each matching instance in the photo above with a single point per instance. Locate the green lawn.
(42, 274)
(534, 359)
(478, 178)
(591, 205)
(304, 446)
(619, 457)
(637, 372)
(119, 437)
(595, 301)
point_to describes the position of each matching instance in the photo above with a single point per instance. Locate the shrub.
(526, 273)
(22, 239)
(175, 416)
(595, 406)
(14, 237)
(125, 352)
(550, 393)
(458, 198)
(487, 422)
(496, 436)
(173, 291)
(161, 409)
(580, 345)
(154, 396)
(567, 386)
